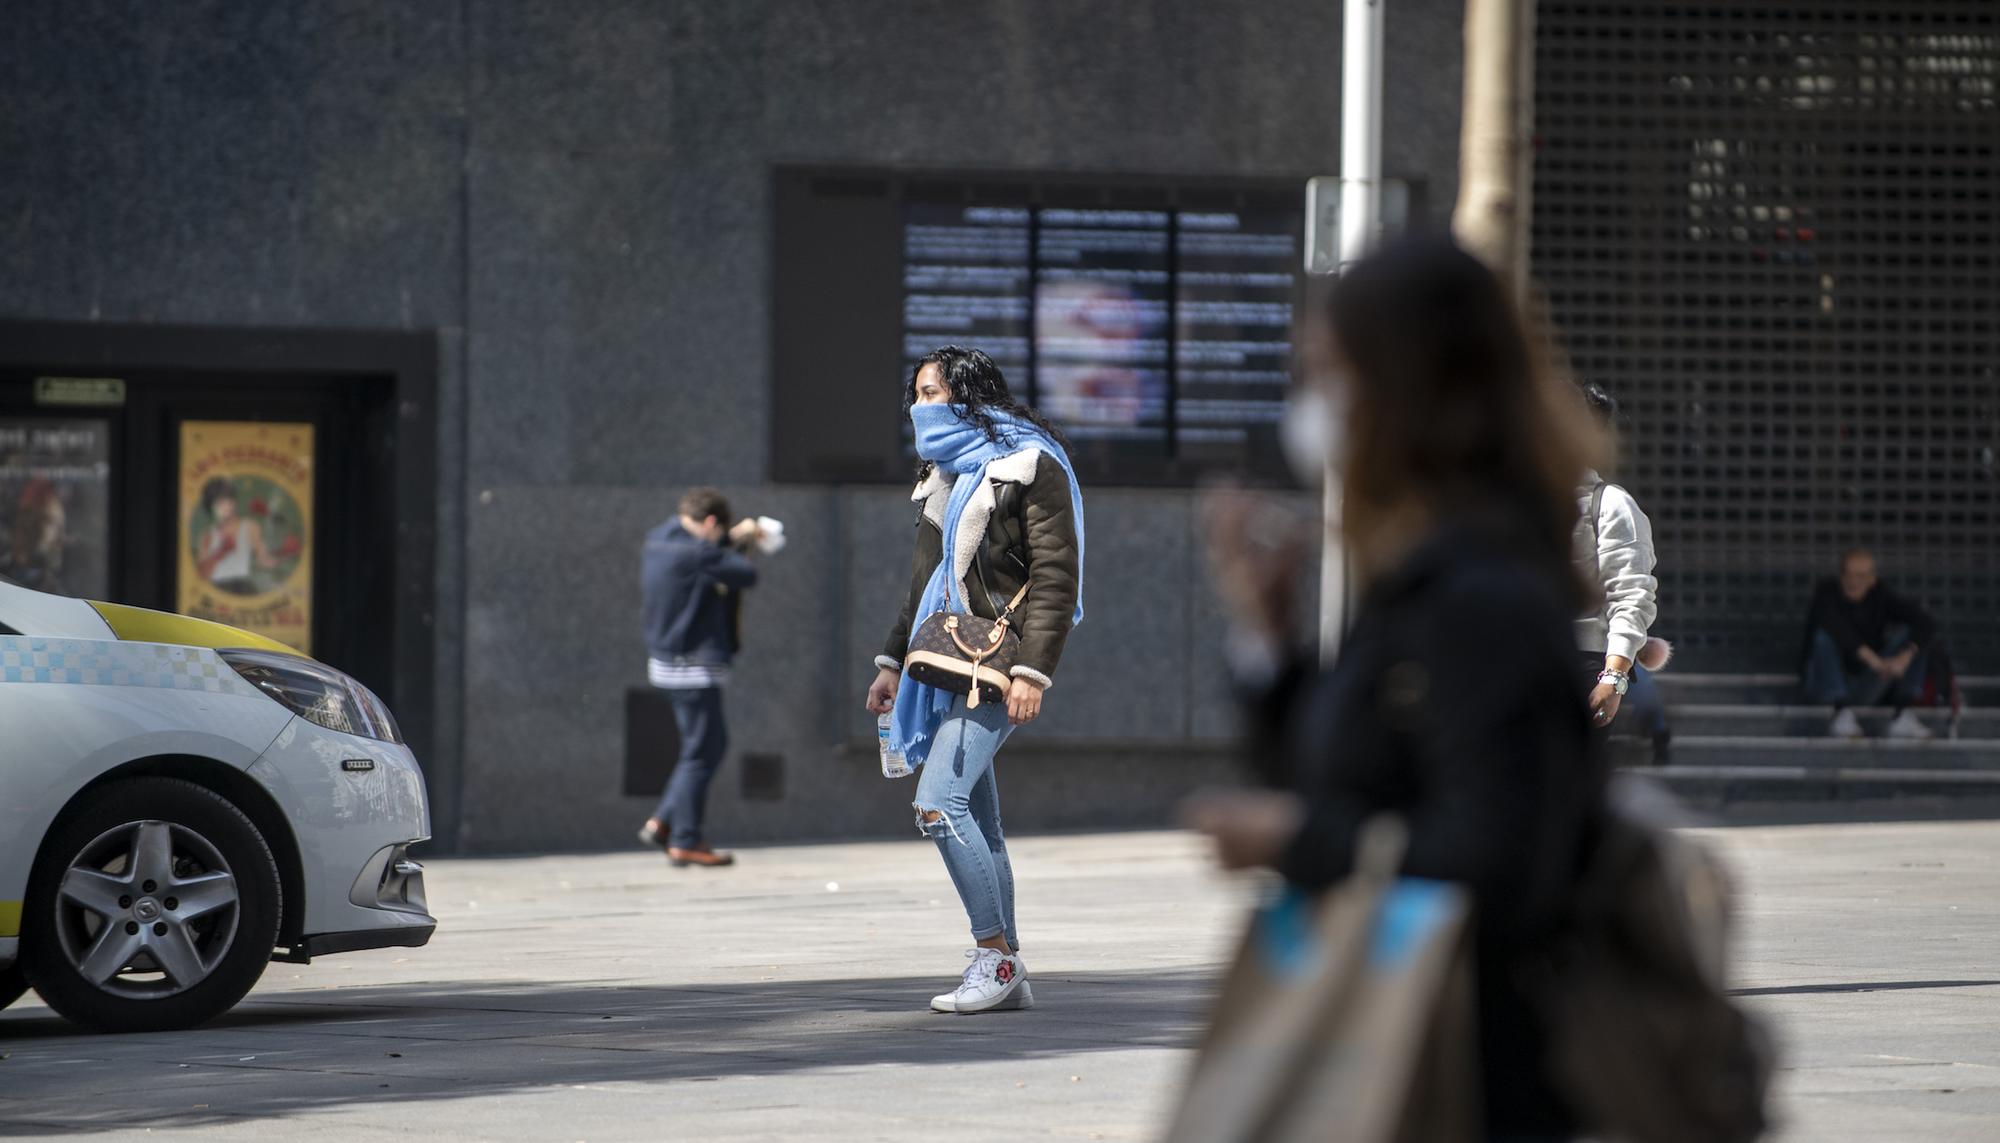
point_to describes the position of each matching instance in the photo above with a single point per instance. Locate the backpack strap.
(1596, 509)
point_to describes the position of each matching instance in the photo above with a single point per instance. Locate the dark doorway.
(121, 412)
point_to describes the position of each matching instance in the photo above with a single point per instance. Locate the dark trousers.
(704, 741)
(1828, 682)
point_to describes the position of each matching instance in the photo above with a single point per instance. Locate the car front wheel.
(155, 906)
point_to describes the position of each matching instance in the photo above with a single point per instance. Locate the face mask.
(939, 430)
(1314, 432)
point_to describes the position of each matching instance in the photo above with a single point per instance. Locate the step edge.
(1797, 742)
(1809, 710)
(1765, 678)
(1837, 774)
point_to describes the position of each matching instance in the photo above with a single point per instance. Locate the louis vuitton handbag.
(967, 655)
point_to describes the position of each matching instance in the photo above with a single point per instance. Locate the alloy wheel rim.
(147, 910)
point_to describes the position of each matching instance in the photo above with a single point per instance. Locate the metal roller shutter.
(1770, 229)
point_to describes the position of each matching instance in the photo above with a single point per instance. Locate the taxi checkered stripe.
(87, 663)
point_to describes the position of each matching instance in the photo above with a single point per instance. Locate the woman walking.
(1455, 703)
(997, 481)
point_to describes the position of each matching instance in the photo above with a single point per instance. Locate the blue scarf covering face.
(959, 447)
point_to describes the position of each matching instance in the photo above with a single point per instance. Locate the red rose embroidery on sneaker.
(1005, 972)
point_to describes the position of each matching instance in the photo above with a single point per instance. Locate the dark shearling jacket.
(1031, 538)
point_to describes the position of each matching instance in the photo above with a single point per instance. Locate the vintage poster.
(246, 527)
(55, 504)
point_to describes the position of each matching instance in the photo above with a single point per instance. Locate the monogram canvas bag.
(967, 655)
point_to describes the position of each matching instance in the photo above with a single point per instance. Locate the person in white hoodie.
(1614, 548)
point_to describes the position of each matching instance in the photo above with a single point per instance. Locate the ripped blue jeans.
(958, 782)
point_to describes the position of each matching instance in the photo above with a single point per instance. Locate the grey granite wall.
(293, 163)
(635, 195)
(575, 196)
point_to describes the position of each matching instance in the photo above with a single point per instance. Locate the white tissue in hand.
(772, 538)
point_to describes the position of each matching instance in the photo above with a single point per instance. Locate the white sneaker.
(1845, 725)
(992, 983)
(1908, 725)
(1022, 1000)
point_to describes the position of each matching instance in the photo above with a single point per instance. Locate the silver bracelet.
(1619, 680)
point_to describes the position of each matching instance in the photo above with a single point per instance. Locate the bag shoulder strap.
(1015, 602)
(983, 559)
(1596, 509)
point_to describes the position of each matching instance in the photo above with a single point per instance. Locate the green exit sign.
(100, 392)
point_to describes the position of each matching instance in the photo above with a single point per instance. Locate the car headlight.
(317, 693)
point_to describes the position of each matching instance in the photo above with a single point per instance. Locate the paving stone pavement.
(606, 997)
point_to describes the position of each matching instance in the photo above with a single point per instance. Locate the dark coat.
(1031, 538)
(1456, 704)
(1865, 624)
(690, 590)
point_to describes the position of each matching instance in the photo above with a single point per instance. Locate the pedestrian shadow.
(281, 1054)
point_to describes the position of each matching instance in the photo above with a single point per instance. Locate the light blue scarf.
(959, 447)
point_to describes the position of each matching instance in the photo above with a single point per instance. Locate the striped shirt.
(684, 676)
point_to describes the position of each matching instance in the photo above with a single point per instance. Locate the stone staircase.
(1745, 739)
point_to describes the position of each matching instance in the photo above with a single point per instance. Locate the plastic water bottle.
(894, 765)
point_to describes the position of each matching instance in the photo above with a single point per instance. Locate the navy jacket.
(691, 589)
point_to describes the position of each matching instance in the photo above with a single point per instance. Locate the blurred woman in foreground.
(1455, 702)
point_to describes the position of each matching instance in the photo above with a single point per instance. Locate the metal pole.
(1360, 225)
(1360, 128)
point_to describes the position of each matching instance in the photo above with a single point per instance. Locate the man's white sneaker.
(1908, 725)
(993, 982)
(1845, 725)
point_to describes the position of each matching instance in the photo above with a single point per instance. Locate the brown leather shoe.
(700, 855)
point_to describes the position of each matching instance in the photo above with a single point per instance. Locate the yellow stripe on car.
(138, 625)
(10, 918)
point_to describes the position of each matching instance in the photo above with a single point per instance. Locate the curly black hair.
(976, 382)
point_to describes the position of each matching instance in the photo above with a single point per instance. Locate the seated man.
(1864, 642)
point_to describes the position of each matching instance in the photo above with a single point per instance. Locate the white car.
(180, 804)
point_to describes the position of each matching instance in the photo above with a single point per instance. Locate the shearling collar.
(934, 491)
